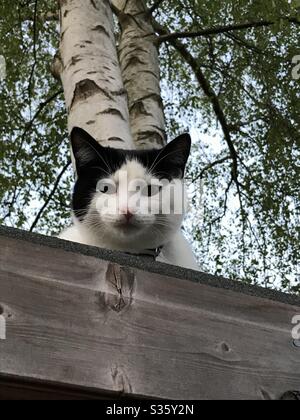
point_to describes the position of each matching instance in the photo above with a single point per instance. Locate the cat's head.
(130, 198)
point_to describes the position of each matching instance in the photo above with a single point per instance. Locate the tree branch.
(209, 92)
(51, 195)
(42, 18)
(225, 207)
(221, 29)
(31, 122)
(10, 204)
(243, 43)
(210, 166)
(34, 47)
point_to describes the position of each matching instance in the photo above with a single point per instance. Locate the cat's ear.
(178, 151)
(85, 148)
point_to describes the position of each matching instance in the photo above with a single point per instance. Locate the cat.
(132, 201)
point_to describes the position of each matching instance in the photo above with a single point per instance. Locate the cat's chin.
(128, 229)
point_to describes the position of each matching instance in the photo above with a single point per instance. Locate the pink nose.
(128, 215)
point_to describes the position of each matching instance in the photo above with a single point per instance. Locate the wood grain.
(79, 321)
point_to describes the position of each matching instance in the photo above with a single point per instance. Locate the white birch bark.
(139, 60)
(95, 96)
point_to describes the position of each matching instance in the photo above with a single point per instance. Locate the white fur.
(103, 227)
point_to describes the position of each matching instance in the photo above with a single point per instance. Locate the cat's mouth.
(128, 226)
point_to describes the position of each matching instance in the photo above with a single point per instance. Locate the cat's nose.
(128, 215)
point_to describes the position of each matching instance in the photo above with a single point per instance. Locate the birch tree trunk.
(115, 97)
(139, 61)
(89, 68)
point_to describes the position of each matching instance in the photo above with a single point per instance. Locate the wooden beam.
(107, 324)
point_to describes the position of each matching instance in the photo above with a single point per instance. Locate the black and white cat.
(131, 200)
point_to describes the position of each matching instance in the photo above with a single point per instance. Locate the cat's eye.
(151, 190)
(106, 187)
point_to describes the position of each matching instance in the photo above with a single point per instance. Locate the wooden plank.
(76, 320)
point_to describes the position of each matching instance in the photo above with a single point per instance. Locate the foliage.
(248, 230)
(33, 126)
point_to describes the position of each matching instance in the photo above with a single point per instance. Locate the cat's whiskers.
(158, 232)
(100, 227)
(157, 162)
(100, 156)
(101, 169)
